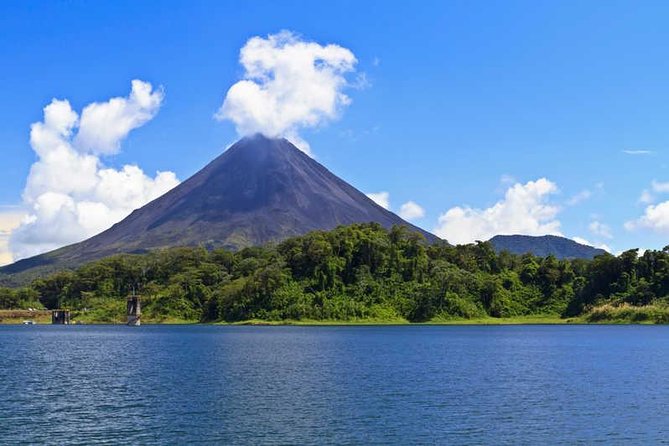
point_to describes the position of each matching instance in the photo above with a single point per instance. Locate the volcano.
(260, 190)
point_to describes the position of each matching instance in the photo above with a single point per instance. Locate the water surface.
(334, 385)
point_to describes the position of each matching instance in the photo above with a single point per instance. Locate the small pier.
(134, 311)
(60, 317)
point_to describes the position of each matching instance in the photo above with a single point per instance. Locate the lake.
(334, 385)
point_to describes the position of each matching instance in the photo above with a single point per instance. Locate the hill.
(542, 246)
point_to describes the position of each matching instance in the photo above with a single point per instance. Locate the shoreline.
(43, 319)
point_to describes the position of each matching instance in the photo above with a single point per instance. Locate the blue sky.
(462, 101)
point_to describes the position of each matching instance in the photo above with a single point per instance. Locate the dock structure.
(60, 317)
(134, 311)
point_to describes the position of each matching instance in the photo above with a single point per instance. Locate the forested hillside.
(357, 272)
(543, 246)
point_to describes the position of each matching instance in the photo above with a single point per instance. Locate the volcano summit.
(260, 190)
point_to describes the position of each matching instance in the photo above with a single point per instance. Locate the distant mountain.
(260, 190)
(542, 246)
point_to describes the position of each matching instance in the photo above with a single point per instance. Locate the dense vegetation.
(358, 272)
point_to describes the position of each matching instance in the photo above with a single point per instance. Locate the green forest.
(359, 273)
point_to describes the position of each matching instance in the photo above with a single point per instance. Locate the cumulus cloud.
(10, 219)
(600, 229)
(525, 209)
(411, 211)
(656, 188)
(380, 198)
(655, 218)
(583, 241)
(104, 125)
(660, 187)
(288, 84)
(70, 195)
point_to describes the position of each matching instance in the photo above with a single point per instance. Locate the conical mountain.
(260, 190)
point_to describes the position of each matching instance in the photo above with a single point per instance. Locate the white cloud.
(411, 211)
(656, 188)
(660, 187)
(583, 241)
(638, 152)
(9, 221)
(524, 210)
(104, 125)
(586, 194)
(288, 84)
(600, 229)
(380, 198)
(408, 211)
(655, 218)
(580, 197)
(646, 197)
(70, 195)
(507, 179)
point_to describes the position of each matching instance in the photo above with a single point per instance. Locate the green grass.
(519, 320)
(516, 320)
(168, 321)
(628, 314)
(307, 322)
(16, 317)
(90, 319)
(112, 313)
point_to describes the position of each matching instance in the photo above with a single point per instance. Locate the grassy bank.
(94, 317)
(628, 314)
(312, 322)
(516, 320)
(520, 320)
(18, 316)
(604, 314)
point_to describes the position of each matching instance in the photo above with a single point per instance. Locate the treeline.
(353, 272)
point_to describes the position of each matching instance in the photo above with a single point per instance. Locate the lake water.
(334, 385)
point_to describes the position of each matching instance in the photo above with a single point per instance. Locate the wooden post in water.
(134, 311)
(60, 317)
